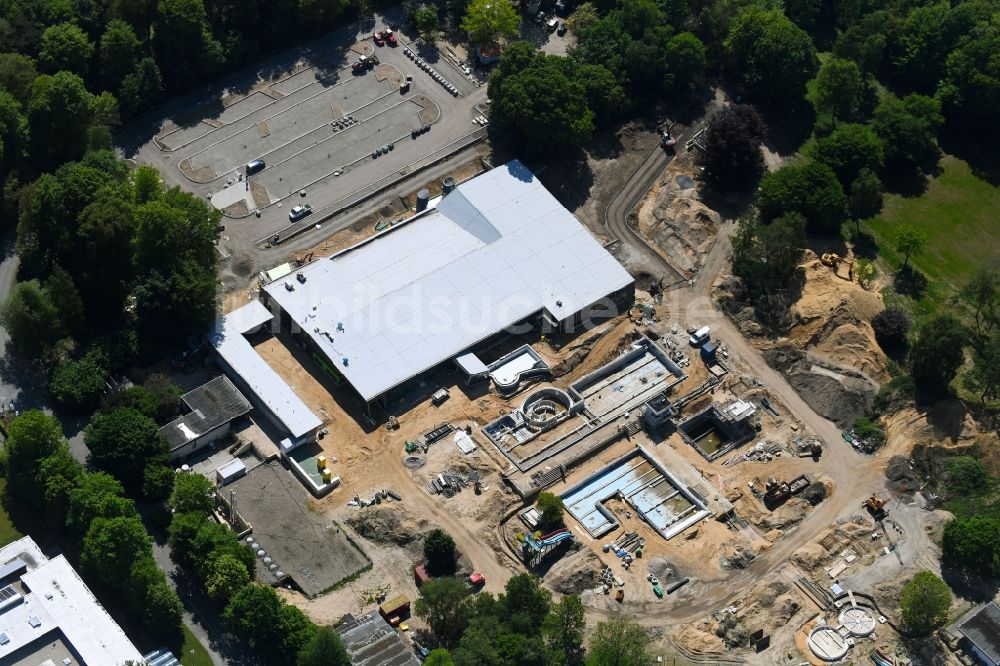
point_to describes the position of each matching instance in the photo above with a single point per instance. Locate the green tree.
(487, 21)
(770, 56)
(604, 94)
(322, 12)
(684, 60)
(526, 604)
(326, 648)
(192, 494)
(62, 292)
(31, 438)
(65, 47)
(162, 610)
(891, 327)
(924, 602)
(551, 509)
(848, 150)
(60, 116)
(425, 18)
(982, 292)
(838, 88)
(31, 320)
(765, 257)
(732, 157)
(227, 575)
(910, 241)
(97, 495)
(104, 267)
(157, 480)
(984, 376)
(439, 657)
(17, 73)
(122, 443)
(141, 89)
(618, 642)
(937, 353)
(971, 86)
(810, 189)
(585, 16)
(439, 550)
(866, 195)
(253, 614)
(13, 133)
(183, 42)
(113, 545)
(444, 604)
(965, 477)
(973, 544)
(121, 51)
(563, 629)
(908, 129)
(79, 385)
(58, 474)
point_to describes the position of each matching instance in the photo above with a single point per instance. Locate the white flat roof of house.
(265, 383)
(60, 601)
(496, 250)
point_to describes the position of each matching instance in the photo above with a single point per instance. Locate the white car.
(298, 212)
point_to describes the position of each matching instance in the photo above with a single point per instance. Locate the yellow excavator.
(833, 260)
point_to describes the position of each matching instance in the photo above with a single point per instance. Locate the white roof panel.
(498, 249)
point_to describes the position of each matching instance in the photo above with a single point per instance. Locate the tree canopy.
(123, 443)
(811, 190)
(732, 158)
(937, 353)
(618, 642)
(487, 21)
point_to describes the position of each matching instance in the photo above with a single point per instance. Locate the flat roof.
(496, 250)
(59, 606)
(370, 641)
(213, 404)
(983, 630)
(261, 378)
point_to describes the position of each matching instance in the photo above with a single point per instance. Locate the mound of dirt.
(388, 526)
(575, 573)
(680, 226)
(840, 393)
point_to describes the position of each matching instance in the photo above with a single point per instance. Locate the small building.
(211, 409)
(420, 575)
(488, 54)
(370, 641)
(982, 635)
(395, 609)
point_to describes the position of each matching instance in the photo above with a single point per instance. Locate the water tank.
(448, 184)
(423, 196)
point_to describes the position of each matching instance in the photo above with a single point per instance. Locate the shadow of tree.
(569, 179)
(967, 141)
(910, 282)
(789, 126)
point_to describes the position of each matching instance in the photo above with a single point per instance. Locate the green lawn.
(7, 531)
(959, 213)
(193, 653)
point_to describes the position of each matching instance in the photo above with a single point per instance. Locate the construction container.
(327, 475)
(321, 462)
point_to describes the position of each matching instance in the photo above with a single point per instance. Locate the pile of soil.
(679, 226)
(394, 526)
(575, 574)
(838, 392)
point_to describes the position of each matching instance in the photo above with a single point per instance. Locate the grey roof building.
(213, 407)
(371, 641)
(982, 631)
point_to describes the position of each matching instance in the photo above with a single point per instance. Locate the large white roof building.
(496, 251)
(48, 615)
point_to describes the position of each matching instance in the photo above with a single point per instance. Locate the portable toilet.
(327, 474)
(321, 462)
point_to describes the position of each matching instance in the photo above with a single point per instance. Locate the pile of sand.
(839, 392)
(947, 424)
(679, 226)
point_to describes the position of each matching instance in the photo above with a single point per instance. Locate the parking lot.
(329, 135)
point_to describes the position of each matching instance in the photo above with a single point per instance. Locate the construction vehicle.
(364, 63)
(875, 506)
(833, 260)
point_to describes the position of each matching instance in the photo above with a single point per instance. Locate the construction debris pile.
(627, 547)
(378, 496)
(865, 445)
(450, 483)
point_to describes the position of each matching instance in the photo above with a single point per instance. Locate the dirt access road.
(853, 475)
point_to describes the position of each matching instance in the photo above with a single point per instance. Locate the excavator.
(833, 260)
(875, 506)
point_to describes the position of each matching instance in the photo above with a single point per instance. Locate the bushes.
(551, 509)
(965, 477)
(867, 429)
(891, 327)
(79, 385)
(973, 544)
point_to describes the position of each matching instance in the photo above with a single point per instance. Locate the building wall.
(978, 655)
(202, 442)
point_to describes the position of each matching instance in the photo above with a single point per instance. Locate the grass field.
(959, 213)
(193, 653)
(7, 531)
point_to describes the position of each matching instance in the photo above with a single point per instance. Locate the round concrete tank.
(826, 643)
(859, 621)
(423, 197)
(448, 184)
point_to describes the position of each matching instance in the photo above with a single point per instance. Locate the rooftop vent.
(289, 286)
(34, 621)
(300, 277)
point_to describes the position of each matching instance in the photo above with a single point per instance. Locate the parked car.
(379, 38)
(562, 29)
(390, 38)
(540, 18)
(255, 166)
(552, 24)
(298, 212)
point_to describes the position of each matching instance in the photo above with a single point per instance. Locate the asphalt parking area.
(329, 135)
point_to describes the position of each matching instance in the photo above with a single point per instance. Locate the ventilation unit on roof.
(300, 277)
(9, 597)
(289, 286)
